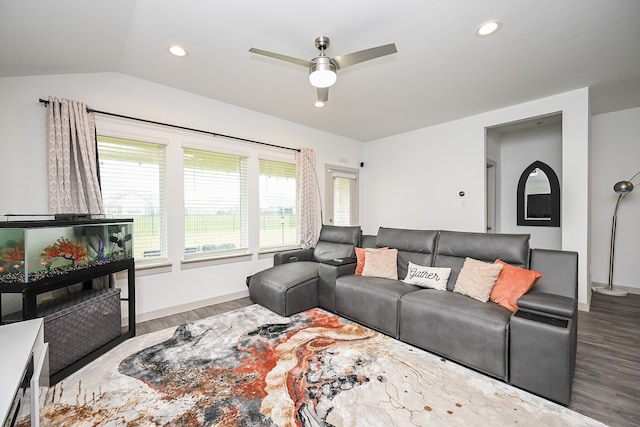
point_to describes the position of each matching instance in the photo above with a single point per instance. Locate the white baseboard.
(169, 311)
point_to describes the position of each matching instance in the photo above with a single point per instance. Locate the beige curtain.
(307, 190)
(73, 169)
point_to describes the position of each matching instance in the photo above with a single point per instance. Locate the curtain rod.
(214, 134)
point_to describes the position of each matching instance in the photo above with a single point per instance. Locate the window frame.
(296, 244)
(245, 248)
(109, 128)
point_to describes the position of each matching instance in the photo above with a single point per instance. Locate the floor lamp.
(622, 188)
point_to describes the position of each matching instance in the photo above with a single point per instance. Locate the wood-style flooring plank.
(606, 384)
(190, 316)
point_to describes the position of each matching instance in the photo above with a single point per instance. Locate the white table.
(17, 342)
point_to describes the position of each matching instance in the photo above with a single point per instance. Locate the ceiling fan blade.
(353, 58)
(323, 94)
(291, 59)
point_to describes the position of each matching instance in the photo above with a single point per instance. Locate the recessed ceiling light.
(177, 50)
(488, 27)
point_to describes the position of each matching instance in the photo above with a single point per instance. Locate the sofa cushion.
(416, 246)
(457, 327)
(559, 269)
(336, 242)
(477, 279)
(455, 246)
(381, 263)
(512, 283)
(286, 288)
(368, 241)
(371, 301)
(427, 277)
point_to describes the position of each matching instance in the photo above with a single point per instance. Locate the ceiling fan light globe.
(322, 73)
(322, 78)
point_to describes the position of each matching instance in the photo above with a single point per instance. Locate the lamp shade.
(623, 187)
(323, 72)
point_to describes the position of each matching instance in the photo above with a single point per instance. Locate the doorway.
(509, 149)
(341, 187)
(490, 217)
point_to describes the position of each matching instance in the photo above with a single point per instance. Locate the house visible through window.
(215, 203)
(132, 175)
(278, 211)
(342, 195)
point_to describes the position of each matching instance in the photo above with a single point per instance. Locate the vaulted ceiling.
(442, 70)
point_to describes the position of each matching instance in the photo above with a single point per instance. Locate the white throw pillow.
(381, 263)
(427, 277)
(477, 278)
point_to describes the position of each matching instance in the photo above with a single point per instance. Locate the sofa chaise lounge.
(533, 347)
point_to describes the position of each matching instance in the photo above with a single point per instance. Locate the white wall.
(615, 139)
(413, 179)
(24, 165)
(519, 149)
(409, 180)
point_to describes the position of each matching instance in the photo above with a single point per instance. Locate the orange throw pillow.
(361, 259)
(512, 283)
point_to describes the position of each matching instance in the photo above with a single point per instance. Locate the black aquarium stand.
(31, 286)
(31, 290)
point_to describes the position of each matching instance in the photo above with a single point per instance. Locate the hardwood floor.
(190, 316)
(606, 384)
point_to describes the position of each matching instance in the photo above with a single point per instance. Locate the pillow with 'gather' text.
(381, 263)
(512, 283)
(477, 278)
(360, 255)
(427, 277)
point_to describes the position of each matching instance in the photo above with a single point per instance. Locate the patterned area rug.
(251, 367)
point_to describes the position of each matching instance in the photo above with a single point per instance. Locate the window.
(342, 195)
(132, 175)
(215, 203)
(278, 213)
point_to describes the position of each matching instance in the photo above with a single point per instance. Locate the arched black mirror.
(539, 196)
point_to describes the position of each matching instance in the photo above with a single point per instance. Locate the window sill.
(189, 263)
(269, 252)
(150, 268)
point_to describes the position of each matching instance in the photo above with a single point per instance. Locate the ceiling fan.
(322, 68)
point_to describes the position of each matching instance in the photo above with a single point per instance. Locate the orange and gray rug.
(251, 367)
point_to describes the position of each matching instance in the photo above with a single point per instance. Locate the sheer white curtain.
(307, 190)
(73, 169)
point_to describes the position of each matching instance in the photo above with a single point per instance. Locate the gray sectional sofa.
(533, 348)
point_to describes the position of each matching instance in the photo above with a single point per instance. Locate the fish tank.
(34, 250)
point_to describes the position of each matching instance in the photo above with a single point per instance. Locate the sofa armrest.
(328, 273)
(292, 255)
(545, 303)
